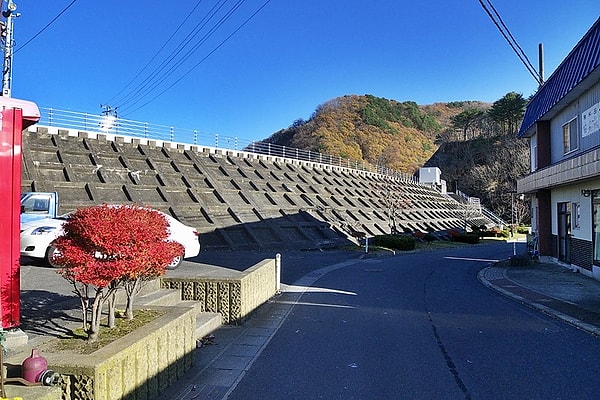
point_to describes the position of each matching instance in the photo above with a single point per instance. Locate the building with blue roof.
(562, 124)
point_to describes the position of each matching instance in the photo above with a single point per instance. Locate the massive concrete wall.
(237, 200)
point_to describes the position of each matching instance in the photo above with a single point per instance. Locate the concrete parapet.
(234, 297)
(258, 284)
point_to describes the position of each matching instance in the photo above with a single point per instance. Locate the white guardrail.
(110, 124)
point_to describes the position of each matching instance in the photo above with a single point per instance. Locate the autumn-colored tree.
(364, 129)
(107, 247)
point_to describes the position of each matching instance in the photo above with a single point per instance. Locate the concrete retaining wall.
(236, 200)
(232, 297)
(138, 366)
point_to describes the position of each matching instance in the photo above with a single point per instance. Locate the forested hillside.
(472, 142)
(380, 131)
(488, 168)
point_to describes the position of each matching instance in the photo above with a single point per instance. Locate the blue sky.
(286, 60)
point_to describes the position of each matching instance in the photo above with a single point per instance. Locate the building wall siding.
(575, 110)
(581, 253)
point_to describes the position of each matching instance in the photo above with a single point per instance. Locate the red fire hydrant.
(35, 368)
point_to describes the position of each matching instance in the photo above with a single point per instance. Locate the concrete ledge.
(207, 323)
(33, 392)
(15, 338)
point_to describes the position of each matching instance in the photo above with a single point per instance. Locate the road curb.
(495, 271)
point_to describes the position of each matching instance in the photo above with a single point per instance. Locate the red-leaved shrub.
(108, 247)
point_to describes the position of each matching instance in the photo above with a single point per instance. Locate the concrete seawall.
(237, 200)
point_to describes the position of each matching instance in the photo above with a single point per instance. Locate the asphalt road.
(416, 326)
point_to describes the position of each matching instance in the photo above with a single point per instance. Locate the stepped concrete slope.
(236, 199)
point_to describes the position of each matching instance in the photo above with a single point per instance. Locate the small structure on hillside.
(432, 176)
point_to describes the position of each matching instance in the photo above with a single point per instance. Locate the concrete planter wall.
(138, 366)
(142, 364)
(232, 297)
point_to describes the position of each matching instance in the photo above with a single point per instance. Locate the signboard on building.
(590, 120)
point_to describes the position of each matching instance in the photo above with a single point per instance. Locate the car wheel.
(176, 262)
(49, 255)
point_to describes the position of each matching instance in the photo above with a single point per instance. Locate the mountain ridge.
(470, 141)
(389, 133)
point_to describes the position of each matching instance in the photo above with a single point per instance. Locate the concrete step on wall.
(17, 390)
(160, 297)
(206, 323)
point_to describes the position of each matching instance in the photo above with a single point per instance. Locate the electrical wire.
(165, 71)
(156, 76)
(520, 50)
(510, 39)
(157, 52)
(189, 53)
(46, 27)
(205, 57)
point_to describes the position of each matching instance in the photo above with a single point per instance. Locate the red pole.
(16, 115)
(10, 190)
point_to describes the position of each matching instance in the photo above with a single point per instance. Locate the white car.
(37, 237)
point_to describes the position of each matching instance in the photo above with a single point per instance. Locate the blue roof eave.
(582, 62)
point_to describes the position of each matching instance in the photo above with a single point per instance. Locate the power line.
(157, 52)
(513, 40)
(191, 51)
(189, 45)
(156, 76)
(207, 56)
(497, 20)
(47, 26)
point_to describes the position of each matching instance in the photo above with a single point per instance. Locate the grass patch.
(77, 341)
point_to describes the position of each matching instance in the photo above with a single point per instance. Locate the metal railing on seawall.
(110, 124)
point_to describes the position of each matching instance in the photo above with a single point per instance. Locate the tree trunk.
(96, 317)
(111, 310)
(83, 294)
(131, 288)
(102, 294)
(84, 305)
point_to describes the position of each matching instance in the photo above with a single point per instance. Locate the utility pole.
(7, 27)
(108, 110)
(541, 62)
(110, 118)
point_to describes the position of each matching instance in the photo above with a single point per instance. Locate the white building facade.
(562, 124)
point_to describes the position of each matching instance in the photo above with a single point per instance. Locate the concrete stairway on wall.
(151, 294)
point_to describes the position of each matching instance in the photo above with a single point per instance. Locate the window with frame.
(570, 136)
